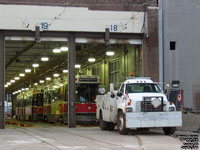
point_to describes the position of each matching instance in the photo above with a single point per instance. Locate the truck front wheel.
(121, 123)
(169, 130)
(111, 126)
(103, 124)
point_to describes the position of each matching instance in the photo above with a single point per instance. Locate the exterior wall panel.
(181, 24)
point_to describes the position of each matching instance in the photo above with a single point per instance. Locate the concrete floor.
(86, 138)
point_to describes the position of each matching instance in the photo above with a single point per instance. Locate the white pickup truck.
(139, 104)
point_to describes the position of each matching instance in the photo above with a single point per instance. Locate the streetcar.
(50, 102)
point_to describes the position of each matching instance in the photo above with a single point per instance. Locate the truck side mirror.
(119, 94)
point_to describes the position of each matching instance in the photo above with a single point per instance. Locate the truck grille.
(147, 106)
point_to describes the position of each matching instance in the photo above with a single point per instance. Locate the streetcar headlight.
(171, 108)
(129, 109)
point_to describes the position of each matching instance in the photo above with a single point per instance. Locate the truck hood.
(139, 96)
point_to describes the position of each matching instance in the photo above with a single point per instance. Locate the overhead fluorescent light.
(56, 50)
(91, 59)
(77, 66)
(41, 81)
(48, 78)
(6, 85)
(64, 48)
(110, 53)
(17, 78)
(27, 70)
(45, 59)
(12, 81)
(21, 74)
(35, 65)
(65, 71)
(56, 75)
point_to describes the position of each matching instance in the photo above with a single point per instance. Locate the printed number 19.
(113, 27)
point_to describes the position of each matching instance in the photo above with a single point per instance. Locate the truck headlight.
(171, 108)
(129, 109)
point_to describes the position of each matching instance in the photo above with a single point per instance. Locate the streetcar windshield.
(86, 92)
(142, 88)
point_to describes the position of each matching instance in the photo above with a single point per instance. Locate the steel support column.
(2, 79)
(71, 81)
(161, 55)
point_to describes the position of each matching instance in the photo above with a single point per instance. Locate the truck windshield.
(142, 88)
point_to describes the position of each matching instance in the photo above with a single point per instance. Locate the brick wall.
(150, 43)
(150, 46)
(125, 5)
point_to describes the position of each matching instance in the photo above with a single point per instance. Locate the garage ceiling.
(22, 54)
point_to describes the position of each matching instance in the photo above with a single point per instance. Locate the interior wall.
(130, 63)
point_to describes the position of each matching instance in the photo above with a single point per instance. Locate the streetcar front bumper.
(153, 119)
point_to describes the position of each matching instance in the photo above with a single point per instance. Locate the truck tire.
(103, 124)
(121, 124)
(169, 130)
(111, 126)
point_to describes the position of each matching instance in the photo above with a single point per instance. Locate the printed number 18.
(113, 27)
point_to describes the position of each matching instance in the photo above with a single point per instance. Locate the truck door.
(113, 109)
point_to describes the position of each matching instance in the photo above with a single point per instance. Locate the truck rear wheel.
(121, 124)
(103, 124)
(169, 130)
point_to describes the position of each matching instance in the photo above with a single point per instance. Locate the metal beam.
(78, 34)
(71, 82)
(2, 79)
(28, 47)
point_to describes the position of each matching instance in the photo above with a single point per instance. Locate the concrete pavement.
(86, 138)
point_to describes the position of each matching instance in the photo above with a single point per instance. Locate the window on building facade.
(114, 71)
(172, 45)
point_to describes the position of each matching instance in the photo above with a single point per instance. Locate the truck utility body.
(139, 103)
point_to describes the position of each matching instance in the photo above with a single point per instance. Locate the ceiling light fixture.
(110, 53)
(91, 59)
(21, 74)
(77, 66)
(56, 50)
(35, 65)
(41, 81)
(8, 83)
(48, 78)
(56, 75)
(27, 70)
(64, 48)
(17, 78)
(65, 71)
(12, 81)
(45, 58)
(35, 83)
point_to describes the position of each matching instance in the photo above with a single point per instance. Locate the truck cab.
(139, 103)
